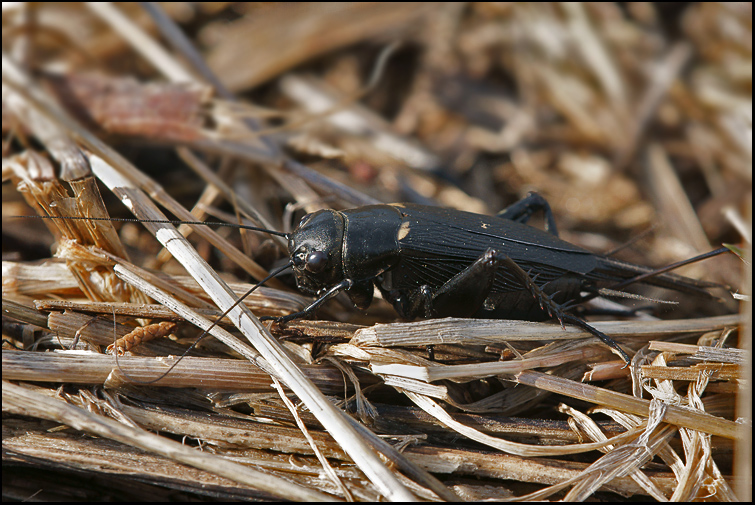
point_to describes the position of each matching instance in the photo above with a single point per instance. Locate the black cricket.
(438, 262)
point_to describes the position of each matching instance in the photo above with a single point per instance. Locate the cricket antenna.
(274, 273)
(163, 221)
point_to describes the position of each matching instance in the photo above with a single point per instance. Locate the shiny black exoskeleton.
(437, 262)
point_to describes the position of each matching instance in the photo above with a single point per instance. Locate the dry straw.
(624, 116)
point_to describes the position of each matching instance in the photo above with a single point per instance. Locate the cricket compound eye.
(316, 261)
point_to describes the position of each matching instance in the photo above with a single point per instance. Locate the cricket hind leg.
(469, 293)
(523, 210)
(461, 296)
(466, 292)
(559, 311)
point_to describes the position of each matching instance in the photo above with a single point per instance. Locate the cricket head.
(315, 248)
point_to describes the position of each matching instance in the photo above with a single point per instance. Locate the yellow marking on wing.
(403, 230)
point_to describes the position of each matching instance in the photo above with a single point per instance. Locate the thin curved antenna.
(274, 273)
(162, 221)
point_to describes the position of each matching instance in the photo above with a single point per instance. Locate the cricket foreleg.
(330, 293)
